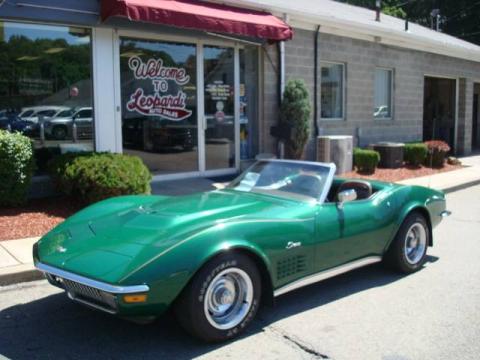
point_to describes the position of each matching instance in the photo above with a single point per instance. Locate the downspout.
(281, 71)
(281, 83)
(315, 83)
(281, 53)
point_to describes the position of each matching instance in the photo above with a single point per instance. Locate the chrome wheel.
(228, 298)
(415, 243)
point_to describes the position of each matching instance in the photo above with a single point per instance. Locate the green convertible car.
(215, 257)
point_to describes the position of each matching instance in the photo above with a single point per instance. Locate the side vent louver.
(290, 266)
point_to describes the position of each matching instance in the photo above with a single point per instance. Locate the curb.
(461, 186)
(18, 274)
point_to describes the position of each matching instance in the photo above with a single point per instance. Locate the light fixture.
(131, 54)
(28, 58)
(54, 50)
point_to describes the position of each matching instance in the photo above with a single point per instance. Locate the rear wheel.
(408, 251)
(221, 299)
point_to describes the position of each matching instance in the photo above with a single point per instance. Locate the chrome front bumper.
(96, 294)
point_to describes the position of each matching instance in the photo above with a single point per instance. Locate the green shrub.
(16, 167)
(436, 153)
(365, 161)
(91, 177)
(414, 154)
(295, 112)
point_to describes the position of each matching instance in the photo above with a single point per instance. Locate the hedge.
(91, 177)
(365, 161)
(16, 168)
(415, 154)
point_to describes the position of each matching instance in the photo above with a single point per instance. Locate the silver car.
(61, 126)
(36, 113)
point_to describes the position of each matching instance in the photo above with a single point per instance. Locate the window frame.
(392, 89)
(344, 87)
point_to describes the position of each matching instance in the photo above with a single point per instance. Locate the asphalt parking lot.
(369, 313)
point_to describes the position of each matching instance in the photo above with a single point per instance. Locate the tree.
(295, 112)
(457, 17)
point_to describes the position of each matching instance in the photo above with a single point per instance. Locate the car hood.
(115, 237)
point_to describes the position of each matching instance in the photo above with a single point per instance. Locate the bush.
(436, 153)
(365, 161)
(414, 154)
(16, 167)
(295, 113)
(91, 177)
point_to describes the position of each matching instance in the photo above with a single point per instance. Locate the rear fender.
(430, 205)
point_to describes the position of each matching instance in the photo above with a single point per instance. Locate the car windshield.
(292, 179)
(27, 113)
(47, 113)
(65, 113)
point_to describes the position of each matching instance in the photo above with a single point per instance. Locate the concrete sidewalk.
(16, 263)
(452, 180)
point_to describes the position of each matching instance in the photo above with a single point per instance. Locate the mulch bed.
(35, 218)
(393, 175)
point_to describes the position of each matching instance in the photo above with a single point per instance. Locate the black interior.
(364, 189)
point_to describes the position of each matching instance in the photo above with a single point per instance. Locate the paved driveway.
(370, 313)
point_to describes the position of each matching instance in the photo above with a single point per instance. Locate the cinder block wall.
(360, 59)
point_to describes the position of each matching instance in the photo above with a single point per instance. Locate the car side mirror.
(346, 196)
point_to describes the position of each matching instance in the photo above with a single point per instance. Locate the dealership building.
(194, 87)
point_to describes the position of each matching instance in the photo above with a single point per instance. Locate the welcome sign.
(160, 103)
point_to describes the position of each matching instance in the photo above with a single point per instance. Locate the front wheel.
(221, 299)
(408, 251)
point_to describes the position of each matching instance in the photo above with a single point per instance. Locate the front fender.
(169, 272)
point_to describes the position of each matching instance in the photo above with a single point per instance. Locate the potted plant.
(295, 115)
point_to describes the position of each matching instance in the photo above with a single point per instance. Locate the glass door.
(159, 104)
(220, 125)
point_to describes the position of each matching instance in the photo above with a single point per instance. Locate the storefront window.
(332, 91)
(46, 87)
(159, 104)
(248, 102)
(383, 94)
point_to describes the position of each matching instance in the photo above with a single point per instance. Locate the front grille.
(90, 296)
(83, 290)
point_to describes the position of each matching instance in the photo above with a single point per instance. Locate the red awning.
(200, 15)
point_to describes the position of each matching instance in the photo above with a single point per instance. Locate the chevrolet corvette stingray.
(215, 257)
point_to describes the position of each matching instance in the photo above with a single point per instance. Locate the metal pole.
(74, 132)
(42, 133)
(378, 9)
(315, 82)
